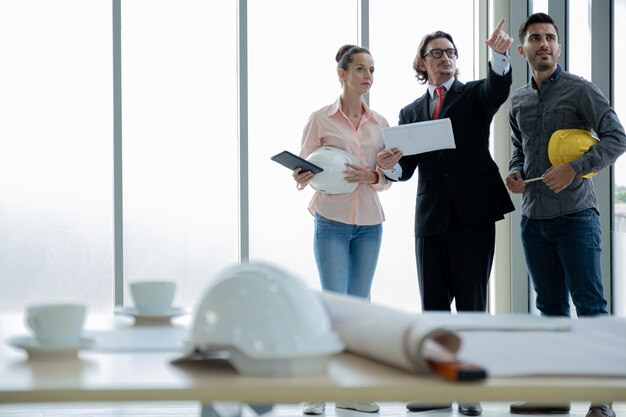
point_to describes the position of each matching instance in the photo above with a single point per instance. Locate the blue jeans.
(563, 257)
(346, 255)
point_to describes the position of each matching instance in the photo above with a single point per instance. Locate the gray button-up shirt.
(565, 101)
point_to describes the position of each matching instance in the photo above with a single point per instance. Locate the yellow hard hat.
(567, 145)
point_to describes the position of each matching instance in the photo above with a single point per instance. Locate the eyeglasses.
(438, 53)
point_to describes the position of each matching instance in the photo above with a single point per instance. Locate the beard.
(544, 65)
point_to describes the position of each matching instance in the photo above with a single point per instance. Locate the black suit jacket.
(467, 178)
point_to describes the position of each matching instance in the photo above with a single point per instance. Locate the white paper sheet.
(415, 138)
(479, 321)
(140, 339)
(390, 336)
(594, 347)
(403, 339)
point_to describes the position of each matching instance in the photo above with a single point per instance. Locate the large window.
(394, 48)
(180, 128)
(179, 132)
(179, 89)
(290, 77)
(579, 58)
(55, 163)
(578, 47)
(580, 63)
(619, 207)
(292, 72)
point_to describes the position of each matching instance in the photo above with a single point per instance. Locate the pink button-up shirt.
(330, 126)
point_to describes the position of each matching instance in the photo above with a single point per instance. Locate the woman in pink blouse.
(348, 227)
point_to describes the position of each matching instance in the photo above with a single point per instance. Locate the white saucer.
(133, 312)
(36, 350)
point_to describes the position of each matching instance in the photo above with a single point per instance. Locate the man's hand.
(359, 174)
(559, 176)
(388, 158)
(500, 41)
(515, 182)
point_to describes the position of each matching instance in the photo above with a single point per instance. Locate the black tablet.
(291, 161)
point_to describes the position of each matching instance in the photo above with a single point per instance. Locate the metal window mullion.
(520, 288)
(601, 75)
(244, 184)
(363, 25)
(118, 212)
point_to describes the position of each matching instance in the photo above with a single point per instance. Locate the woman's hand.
(302, 178)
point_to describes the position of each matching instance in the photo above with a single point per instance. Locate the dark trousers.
(456, 265)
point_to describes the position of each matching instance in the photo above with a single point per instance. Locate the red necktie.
(440, 91)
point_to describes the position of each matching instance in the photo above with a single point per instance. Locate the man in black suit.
(460, 192)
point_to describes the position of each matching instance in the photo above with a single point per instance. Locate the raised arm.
(499, 41)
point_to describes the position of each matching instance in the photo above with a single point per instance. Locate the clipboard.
(291, 161)
(420, 137)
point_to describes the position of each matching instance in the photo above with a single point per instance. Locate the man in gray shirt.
(560, 221)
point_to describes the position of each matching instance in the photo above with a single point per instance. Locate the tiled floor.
(192, 409)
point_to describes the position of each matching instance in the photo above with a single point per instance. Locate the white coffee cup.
(56, 324)
(153, 297)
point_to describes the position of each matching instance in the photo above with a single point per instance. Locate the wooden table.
(149, 376)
